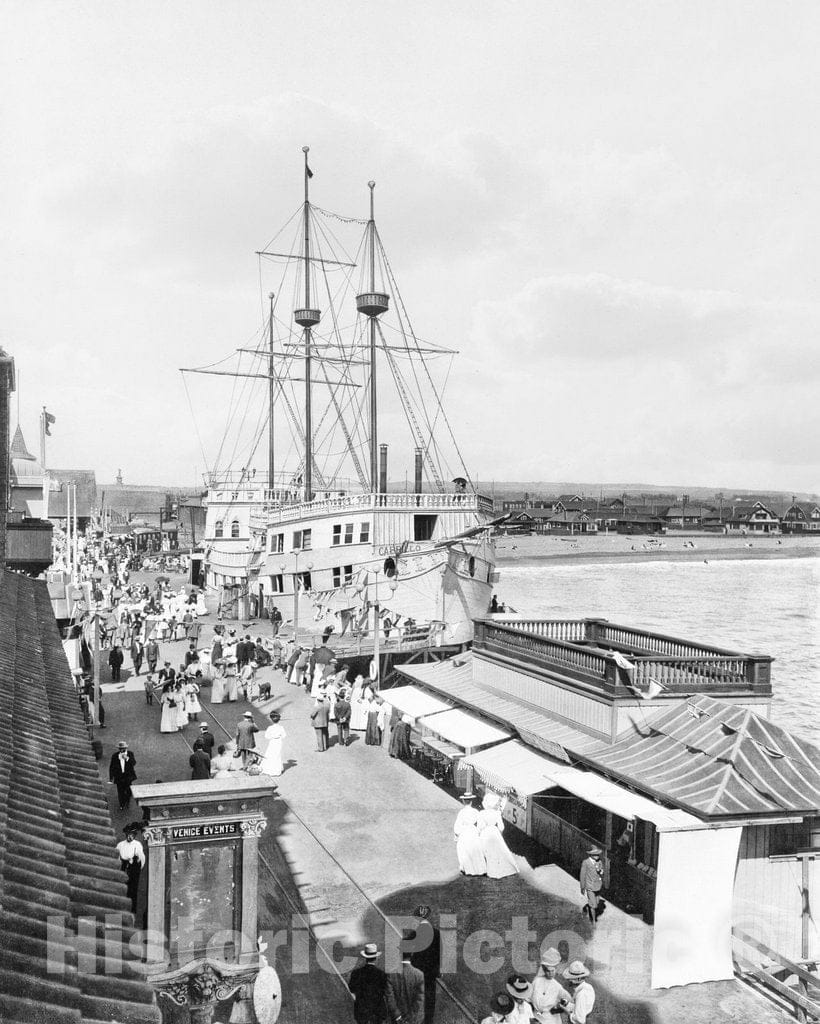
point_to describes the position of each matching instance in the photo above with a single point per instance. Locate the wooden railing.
(585, 649)
(777, 974)
(274, 514)
(573, 659)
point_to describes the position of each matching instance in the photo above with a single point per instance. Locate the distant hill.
(550, 489)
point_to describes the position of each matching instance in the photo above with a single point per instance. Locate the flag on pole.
(48, 419)
(309, 171)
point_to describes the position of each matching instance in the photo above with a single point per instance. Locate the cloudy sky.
(609, 209)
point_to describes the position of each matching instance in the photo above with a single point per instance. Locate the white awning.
(512, 766)
(608, 795)
(413, 702)
(465, 730)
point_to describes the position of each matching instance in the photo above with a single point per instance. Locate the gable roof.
(58, 860)
(717, 760)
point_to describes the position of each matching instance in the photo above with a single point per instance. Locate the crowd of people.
(559, 991)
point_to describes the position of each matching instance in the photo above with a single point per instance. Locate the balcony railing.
(273, 515)
(585, 649)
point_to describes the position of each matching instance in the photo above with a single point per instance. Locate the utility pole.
(96, 666)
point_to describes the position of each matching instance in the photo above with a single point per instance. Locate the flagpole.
(43, 438)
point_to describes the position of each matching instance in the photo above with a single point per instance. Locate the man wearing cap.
(407, 984)
(427, 957)
(320, 716)
(245, 741)
(548, 995)
(132, 861)
(374, 999)
(582, 994)
(502, 1006)
(343, 711)
(207, 738)
(121, 771)
(152, 654)
(592, 880)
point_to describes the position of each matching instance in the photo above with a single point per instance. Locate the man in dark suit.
(343, 719)
(427, 957)
(207, 738)
(407, 985)
(200, 762)
(122, 771)
(374, 999)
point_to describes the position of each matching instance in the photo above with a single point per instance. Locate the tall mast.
(307, 318)
(373, 304)
(374, 422)
(271, 392)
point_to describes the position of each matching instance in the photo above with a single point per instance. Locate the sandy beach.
(673, 548)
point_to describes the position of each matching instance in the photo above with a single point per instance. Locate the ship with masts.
(353, 552)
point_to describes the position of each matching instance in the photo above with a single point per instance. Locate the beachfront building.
(658, 750)
(752, 517)
(801, 517)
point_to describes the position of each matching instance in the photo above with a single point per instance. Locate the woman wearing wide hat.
(521, 991)
(471, 859)
(502, 1008)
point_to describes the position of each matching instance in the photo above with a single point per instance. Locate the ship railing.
(271, 514)
(579, 648)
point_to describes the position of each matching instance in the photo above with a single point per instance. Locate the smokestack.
(7, 385)
(417, 481)
(382, 468)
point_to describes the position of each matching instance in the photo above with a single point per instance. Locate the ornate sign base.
(201, 984)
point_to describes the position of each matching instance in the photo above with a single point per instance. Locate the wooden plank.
(788, 993)
(761, 947)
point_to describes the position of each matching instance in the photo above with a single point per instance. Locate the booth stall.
(448, 736)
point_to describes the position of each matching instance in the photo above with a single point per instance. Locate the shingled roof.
(57, 856)
(716, 760)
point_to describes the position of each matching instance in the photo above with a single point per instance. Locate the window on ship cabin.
(306, 540)
(218, 528)
(337, 534)
(423, 527)
(348, 533)
(277, 583)
(348, 575)
(337, 575)
(364, 533)
(235, 528)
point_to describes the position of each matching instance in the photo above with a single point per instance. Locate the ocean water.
(758, 607)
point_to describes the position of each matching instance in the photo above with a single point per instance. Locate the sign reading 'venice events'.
(203, 831)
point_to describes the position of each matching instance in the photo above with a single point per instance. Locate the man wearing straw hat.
(548, 994)
(582, 994)
(374, 1000)
(592, 880)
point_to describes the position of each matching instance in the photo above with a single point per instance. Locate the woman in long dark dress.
(400, 740)
(373, 735)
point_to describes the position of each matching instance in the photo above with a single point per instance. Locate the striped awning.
(465, 730)
(510, 767)
(717, 760)
(413, 702)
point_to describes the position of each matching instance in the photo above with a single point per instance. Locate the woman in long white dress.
(182, 709)
(274, 734)
(192, 705)
(470, 855)
(358, 707)
(500, 861)
(168, 722)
